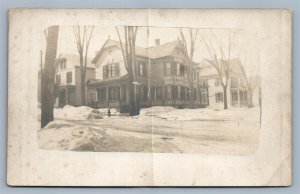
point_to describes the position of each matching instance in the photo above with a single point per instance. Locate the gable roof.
(73, 59)
(208, 69)
(153, 52)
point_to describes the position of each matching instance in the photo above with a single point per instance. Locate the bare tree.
(83, 37)
(189, 54)
(251, 82)
(129, 56)
(48, 76)
(221, 62)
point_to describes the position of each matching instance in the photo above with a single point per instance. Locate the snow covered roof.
(153, 52)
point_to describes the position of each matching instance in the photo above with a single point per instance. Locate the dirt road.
(150, 133)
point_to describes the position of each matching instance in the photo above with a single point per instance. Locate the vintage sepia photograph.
(149, 97)
(149, 89)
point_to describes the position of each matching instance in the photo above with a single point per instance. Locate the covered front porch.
(239, 97)
(66, 96)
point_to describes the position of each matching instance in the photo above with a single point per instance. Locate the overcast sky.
(243, 44)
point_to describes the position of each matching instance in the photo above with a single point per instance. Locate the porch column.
(67, 102)
(120, 94)
(107, 95)
(239, 98)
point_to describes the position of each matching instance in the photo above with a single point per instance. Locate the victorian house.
(161, 80)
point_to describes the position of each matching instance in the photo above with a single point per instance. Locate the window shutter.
(165, 69)
(117, 69)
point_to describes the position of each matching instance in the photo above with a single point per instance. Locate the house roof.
(153, 52)
(73, 59)
(208, 69)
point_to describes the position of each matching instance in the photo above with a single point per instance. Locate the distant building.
(162, 78)
(237, 91)
(67, 77)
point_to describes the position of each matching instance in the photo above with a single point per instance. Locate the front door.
(62, 97)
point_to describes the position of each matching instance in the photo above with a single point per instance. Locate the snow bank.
(81, 113)
(170, 113)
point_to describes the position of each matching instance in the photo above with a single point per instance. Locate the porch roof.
(107, 82)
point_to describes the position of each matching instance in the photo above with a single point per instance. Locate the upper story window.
(203, 82)
(63, 63)
(234, 82)
(69, 77)
(142, 69)
(182, 70)
(168, 70)
(111, 70)
(217, 82)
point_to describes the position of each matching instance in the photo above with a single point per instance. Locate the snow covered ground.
(156, 129)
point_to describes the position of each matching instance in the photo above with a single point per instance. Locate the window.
(245, 95)
(217, 83)
(219, 97)
(123, 96)
(168, 92)
(111, 70)
(58, 79)
(114, 93)
(63, 63)
(234, 96)
(203, 96)
(156, 93)
(174, 92)
(143, 93)
(159, 93)
(203, 82)
(101, 94)
(114, 70)
(234, 82)
(179, 93)
(69, 77)
(183, 93)
(182, 70)
(187, 93)
(168, 69)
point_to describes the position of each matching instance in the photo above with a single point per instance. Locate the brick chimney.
(157, 42)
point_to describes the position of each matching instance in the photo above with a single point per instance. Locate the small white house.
(67, 77)
(237, 91)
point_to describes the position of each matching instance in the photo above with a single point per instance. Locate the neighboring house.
(237, 92)
(68, 79)
(161, 77)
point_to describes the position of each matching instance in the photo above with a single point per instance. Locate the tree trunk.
(48, 75)
(225, 96)
(82, 90)
(192, 95)
(250, 103)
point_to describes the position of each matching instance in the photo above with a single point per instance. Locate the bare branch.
(122, 49)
